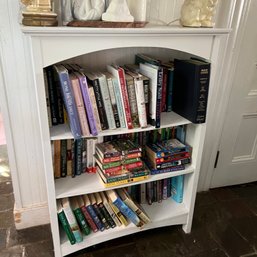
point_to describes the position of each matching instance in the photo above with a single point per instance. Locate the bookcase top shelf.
(172, 213)
(148, 29)
(90, 183)
(168, 119)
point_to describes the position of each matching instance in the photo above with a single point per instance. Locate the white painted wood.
(90, 183)
(35, 215)
(100, 47)
(168, 119)
(21, 122)
(238, 143)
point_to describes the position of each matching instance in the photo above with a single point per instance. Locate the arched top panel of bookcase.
(58, 48)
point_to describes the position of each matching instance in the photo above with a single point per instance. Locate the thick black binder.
(190, 91)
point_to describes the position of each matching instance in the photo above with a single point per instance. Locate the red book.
(86, 214)
(134, 165)
(125, 97)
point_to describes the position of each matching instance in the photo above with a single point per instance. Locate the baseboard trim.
(32, 216)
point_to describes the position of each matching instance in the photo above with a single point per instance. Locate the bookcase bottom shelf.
(162, 214)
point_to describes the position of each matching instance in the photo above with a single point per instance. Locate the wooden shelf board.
(168, 119)
(90, 183)
(161, 214)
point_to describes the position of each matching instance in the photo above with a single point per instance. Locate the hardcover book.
(86, 214)
(69, 101)
(72, 220)
(177, 188)
(190, 91)
(79, 216)
(64, 222)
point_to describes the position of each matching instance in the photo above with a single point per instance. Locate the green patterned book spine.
(81, 221)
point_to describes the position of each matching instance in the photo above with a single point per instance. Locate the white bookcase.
(95, 48)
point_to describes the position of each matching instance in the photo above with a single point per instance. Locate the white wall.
(20, 117)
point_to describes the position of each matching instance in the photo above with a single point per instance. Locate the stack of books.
(81, 215)
(167, 155)
(119, 162)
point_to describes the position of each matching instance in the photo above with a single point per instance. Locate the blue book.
(177, 188)
(69, 101)
(92, 213)
(124, 209)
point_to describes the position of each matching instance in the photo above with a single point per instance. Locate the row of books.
(81, 215)
(73, 157)
(121, 97)
(157, 191)
(119, 162)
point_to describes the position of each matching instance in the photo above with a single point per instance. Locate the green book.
(64, 222)
(79, 217)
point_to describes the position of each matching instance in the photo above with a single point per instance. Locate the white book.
(151, 72)
(117, 87)
(106, 100)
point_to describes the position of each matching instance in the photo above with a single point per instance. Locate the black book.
(93, 80)
(190, 92)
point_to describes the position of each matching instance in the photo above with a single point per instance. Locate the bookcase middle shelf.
(168, 119)
(90, 183)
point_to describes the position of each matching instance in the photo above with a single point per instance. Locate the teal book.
(177, 188)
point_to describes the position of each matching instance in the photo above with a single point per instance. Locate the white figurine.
(198, 13)
(118, 11)
(82, 10)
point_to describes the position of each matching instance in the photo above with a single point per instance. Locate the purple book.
(69, 100)
(87, 103)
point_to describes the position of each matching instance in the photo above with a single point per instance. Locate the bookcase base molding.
(95, 48)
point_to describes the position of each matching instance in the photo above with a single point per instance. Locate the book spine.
(82, 221)
(140, 96)
(69, 157)
(149, 192)
(95, 218)
(132, 101)
(170, 89)
(125, 97)
(118, 97)
(134, 165)
(113, 102)
(74, 156)
(52, 96)
(177, 188)
(113, 170)
(120, 216)
(171, 169)
(127, 212)
(100, 105)
(63, 158)
(159, 191)
(143, 193)
(164, 90)
(47, 99)
(70, 105)
(112, 214)
(146, 82)
(159, 97)
(165, 189)
(107, 216)
(126, 181)
(73, 224)
(89, 219)
(78, 158)
(66, 227)
(107, 102)
(94, 108)
(80, 106)
(84, 155)
(57, 158)
(100, 215)
(88, 105)
(202, 97)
